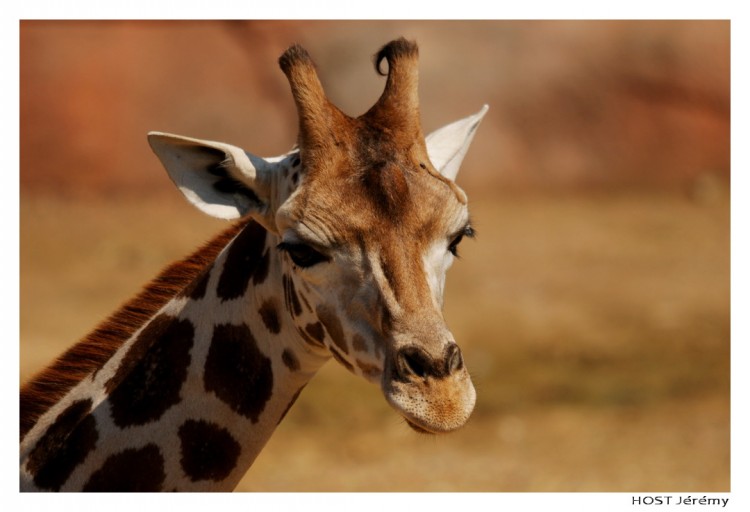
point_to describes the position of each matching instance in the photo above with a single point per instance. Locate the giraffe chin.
(429, 428)
(416, 428)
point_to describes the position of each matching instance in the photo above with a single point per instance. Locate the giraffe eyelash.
(467, 231)
(302, 255)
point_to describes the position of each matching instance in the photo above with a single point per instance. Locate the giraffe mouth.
(418, 429)
(427, 411)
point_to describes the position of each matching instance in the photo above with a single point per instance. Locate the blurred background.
(593, 308)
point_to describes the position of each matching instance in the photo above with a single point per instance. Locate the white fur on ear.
(447, 146)
(221, 180)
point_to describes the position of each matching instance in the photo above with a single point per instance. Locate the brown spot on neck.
(151, 375)
(291, 300)
(290, 360)
(269, 313)
(208, 451)
(314, 334)
(64, 446)
(237, 371)
(244, 261)
(119, 473)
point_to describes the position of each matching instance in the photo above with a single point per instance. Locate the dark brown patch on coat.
(261, 271)
(332, 324)
(152, 373)
(368, 369)
(150, 334)
(290, 360)
(197, 290)
(290, 296)
(208, 451)
(243, 260)
(316, 332)
(87, 356)
(131, 470)
(308, 339)
(269, 313)
(64, 446)
(340, 358)
(237, 371)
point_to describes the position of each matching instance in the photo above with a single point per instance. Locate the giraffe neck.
(193, 395)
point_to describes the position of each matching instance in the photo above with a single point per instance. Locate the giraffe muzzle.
(433, 394)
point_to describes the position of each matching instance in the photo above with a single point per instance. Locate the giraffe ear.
(448, 145)
(221, 180)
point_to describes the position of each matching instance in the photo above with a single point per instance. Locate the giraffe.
(339, 249)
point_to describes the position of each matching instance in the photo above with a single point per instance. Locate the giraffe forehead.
(372, 174)
(386, 203)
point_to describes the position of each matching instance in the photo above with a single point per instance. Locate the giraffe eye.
(453, 246)
(302, 255)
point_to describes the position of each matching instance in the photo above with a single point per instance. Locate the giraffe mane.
(93, 351)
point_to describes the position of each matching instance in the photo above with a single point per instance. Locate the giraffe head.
(367, 219)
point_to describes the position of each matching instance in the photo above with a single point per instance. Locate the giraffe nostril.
(454, 359)
(413, 361)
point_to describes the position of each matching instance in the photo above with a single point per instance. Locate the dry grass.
(596, 328)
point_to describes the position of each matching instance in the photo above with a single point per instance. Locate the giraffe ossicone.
(340, 251)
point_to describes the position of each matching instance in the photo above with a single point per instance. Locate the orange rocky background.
(593, 308)
(572, 103)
